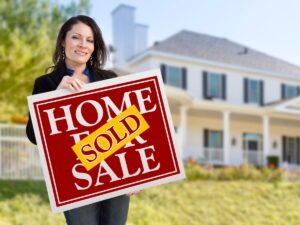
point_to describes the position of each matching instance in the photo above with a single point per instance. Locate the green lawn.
(186, 203)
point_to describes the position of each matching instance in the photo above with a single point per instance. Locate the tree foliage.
(27, 39)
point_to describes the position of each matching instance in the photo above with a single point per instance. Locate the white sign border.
(105, 83)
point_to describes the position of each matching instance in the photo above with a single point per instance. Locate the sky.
(269, 26)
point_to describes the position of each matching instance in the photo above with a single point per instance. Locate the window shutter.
(224, 86)
(282, 91)
(205, 136)
(163, 72)
(261, 86)
(298, 151)
(246, 99)
(184, 78)
(222, 144)
(204, 85)
(284, 155)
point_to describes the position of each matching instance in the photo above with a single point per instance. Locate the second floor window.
(214, 85)
(214, 82)
(174, 76)
(288, 91)
(253, 91)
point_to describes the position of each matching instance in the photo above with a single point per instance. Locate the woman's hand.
(70, 83)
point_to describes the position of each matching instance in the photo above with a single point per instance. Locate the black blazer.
(50, 81)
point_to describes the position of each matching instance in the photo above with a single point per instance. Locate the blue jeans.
(108, 212)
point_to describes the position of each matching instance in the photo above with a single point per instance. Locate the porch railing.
(253, 157)
(213, 156)
(18, 157)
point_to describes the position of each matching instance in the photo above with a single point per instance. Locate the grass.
(192, 202)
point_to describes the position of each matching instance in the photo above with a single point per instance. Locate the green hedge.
(230, 173)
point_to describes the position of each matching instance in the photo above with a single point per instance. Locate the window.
(253, 87)
(291, 151)
(253, 91)
(174, 76)
(213, 144)
(289, 91)
(214, 85)
(213, 139)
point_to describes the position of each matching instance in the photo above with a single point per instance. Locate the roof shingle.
(222, 50)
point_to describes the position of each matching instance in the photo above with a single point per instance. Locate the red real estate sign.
(113, 137)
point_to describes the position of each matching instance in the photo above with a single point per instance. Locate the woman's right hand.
(70, 83)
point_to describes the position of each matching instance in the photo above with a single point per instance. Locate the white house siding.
(196, 126)
(234, 79)
(199, 119)
(272, 89)
(194, 77)
(194, 81)
(236, 93)
(142, 66)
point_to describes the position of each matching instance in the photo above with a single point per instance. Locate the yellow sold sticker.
(110, 137)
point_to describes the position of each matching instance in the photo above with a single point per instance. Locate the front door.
(252, 145)
(252, 148)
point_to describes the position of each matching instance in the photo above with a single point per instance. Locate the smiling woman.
(79, 45)
(79, 57)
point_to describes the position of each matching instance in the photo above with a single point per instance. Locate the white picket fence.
(19, 159)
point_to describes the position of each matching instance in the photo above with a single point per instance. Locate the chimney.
(129, 38)
(141, 38)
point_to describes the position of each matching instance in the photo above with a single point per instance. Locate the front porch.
(219, 133)
(215, 156)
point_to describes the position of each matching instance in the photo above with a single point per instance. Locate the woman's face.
(79, 45)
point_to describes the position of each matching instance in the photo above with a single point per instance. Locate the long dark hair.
(99, 56)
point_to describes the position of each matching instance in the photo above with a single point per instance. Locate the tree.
(27, 40)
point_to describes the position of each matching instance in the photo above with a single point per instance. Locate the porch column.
(183, 129)
(226, 136)
(266, 137)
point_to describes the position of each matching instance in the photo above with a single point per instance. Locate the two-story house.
(230, 104)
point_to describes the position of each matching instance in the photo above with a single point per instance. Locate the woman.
(79, 57)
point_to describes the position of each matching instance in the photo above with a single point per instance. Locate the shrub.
(273, 161)
(292, 176)
(230, 173)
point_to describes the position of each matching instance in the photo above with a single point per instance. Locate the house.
(230, 104)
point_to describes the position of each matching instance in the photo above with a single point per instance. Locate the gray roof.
(222, 50)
